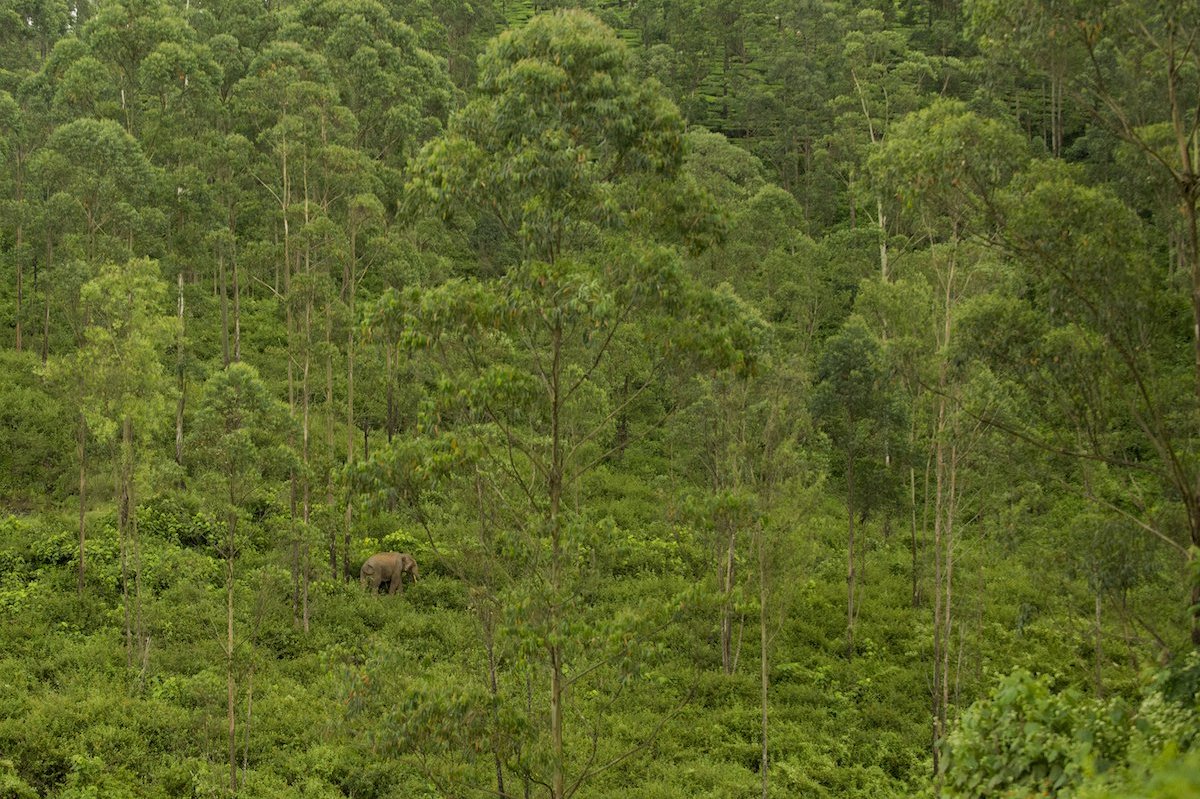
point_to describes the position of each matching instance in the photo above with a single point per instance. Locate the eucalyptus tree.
(98, 173)
(1160, 119)
(240, 436)
(130, 391)
(1140, 80)
(942, 164)
(122, 393)
(782, 272)
(745, 442)
(802, 287)
(288, 102)
(887, 80)
(398, 93)
(1097, 310)
(559, 143)
(28, 120)
(94, 182)
(120, 39)
(28, 31)
(395, 96)
(803, 68)
(855, 406)
(1105, 355)
(455, 31)
(178, 83)
(1032, 40)
(12, 206)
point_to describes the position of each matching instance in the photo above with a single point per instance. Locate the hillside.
(777, 399)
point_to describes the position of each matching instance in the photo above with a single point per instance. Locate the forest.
(774, 399)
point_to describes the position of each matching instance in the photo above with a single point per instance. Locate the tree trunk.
(81, 451)
(306, 571)
(494, 688)
(329, 442)
(46, 325)
(179, 371)
(727, 583)
(945, 511)
(19, 257)
(554, 647)
(939, 642)
(884, 266)
(224, 308)
(237, 300)
(1190, 194)
(300, 533)
(248, 726)
(391, 392)
(764, 672)
(139, 632)
(350, 426)
(947, 605)
(488, 623)
(912, 488)
(230, 683)
(305, 402)
(139, 629)
(124, 503)
(851, 609)
(1099, 632)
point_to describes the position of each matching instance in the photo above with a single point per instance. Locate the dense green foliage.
(779, 399)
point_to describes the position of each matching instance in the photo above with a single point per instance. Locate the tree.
(121, 38)
(1034, 37)
(558, 116)
(123, 393)
(27, 33)
(560, 142)
(942, 165)
(240, 437)
(1102, 348)
(887, 81)
(1140, 83)
(398, 93)
(853, 404)
(13, 213)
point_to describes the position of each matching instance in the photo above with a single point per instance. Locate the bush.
(1168, 776)
(1020, 741)
(1024, 740)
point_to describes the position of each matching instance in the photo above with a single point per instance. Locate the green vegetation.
(779, 399)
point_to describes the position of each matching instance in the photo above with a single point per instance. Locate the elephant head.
(388, 568)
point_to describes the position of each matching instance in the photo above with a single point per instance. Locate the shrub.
(1022, 740)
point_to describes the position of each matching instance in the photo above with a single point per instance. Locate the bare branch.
(515, 443)
(600, 352)
(1090, 495)
(633, 750)
(1029, 438)
(608, 452)
(595, 431)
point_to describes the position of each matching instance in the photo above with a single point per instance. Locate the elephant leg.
(395, 584)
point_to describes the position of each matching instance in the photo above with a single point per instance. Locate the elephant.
(388, 568)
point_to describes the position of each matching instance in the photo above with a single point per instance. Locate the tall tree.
(560, 142)
(940, 164)
(124, 395)
(241, 437)
(12, 208)
(1141, 82)
(853, 403)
